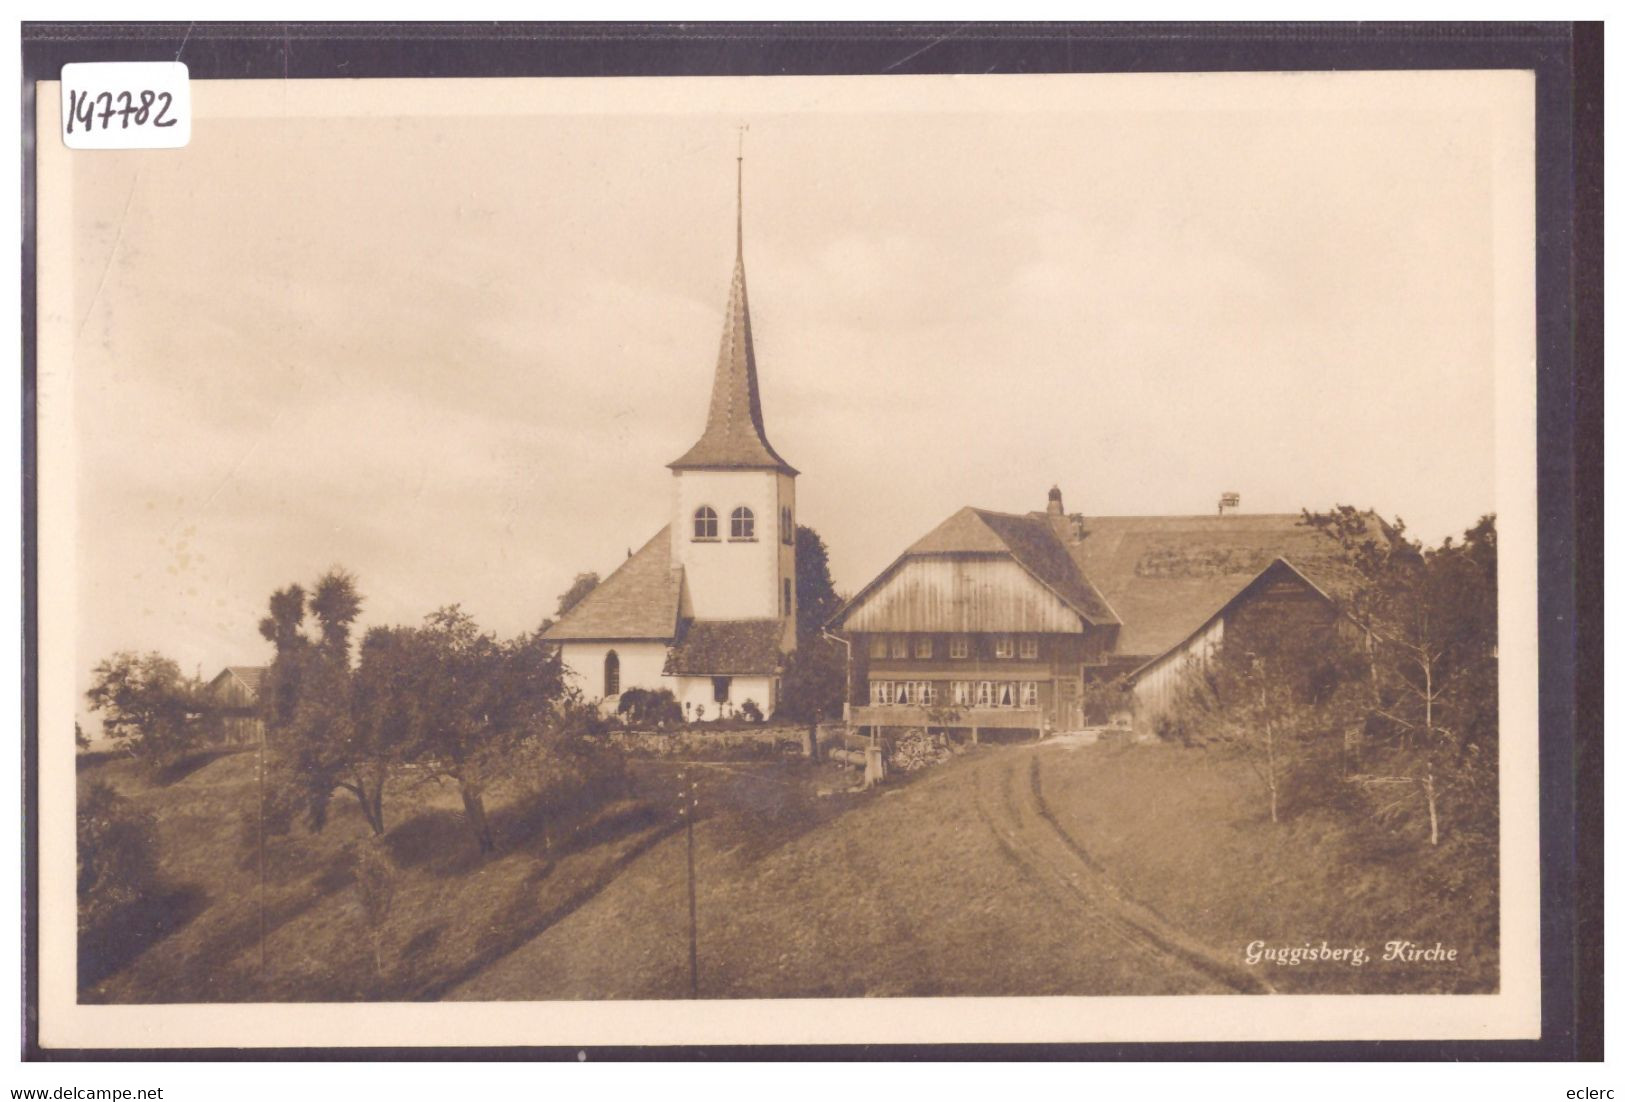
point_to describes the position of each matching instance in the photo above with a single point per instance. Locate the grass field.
(1188, 834)
(1011, 870)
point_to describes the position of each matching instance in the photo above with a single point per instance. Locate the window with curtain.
(1029, 646)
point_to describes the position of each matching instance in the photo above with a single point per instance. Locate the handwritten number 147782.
(89, 110)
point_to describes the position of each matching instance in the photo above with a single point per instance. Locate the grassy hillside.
(451, 912)
(1187, 832)
(1014, 870)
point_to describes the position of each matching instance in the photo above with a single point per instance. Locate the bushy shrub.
(752, 711)
(375, 881)
(650, 708)
(117, 867)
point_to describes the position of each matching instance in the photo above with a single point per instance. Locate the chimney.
(1055, 508)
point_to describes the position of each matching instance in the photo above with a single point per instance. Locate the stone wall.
(768, 742)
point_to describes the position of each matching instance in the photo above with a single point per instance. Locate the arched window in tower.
(787, 528)
(612, 674)
(705, 523)
(742, 525)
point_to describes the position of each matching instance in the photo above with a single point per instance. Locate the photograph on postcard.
(1089, 559)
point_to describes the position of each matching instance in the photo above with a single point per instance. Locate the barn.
(1281, 594)
(235, 691)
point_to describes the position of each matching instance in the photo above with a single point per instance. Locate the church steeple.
(734, 438)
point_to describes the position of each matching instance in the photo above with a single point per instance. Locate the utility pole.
(688, 795)
(261, 772)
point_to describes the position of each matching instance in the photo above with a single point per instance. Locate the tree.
(149, 708)
(1271, 695)
(80, 740)
(816, 599)
(458, 699)
(1433, 688)
(309, 704)
(812, 686)
(584, 584)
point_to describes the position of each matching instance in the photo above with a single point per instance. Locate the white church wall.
(694, 693)
(641, 666)
(729, 579)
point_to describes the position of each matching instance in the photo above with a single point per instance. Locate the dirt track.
(1010, 800)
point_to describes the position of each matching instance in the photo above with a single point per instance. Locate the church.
(707, 607)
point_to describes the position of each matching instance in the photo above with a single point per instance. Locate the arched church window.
(612, 674)
(742, 525)
(705, 523)
(787, 529)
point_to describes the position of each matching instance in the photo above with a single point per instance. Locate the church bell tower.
(733, 496)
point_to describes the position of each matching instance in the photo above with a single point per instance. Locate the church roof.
(723, 647)
(734, 438)
(1166, 576)
(640, 600)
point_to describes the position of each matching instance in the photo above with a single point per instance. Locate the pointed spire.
(734, 437)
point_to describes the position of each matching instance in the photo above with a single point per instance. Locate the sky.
(452, 351)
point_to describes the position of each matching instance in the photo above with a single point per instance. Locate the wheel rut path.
(1010, 801)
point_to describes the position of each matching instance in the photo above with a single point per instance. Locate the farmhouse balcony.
(893, 715)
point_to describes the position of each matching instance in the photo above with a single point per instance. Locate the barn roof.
(639, 600)
(734, 437)
(1277, 567)
(1028, 540)
(1166, 576)
(717, 647)
(251, 677)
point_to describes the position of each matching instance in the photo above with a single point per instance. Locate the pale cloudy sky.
(454, 352)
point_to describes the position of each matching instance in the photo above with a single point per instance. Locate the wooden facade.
(1001, 680)
(962, 594)
(235, 693)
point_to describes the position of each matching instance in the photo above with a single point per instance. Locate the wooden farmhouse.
(1009, 621)
(235, 690)
(706, 608)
